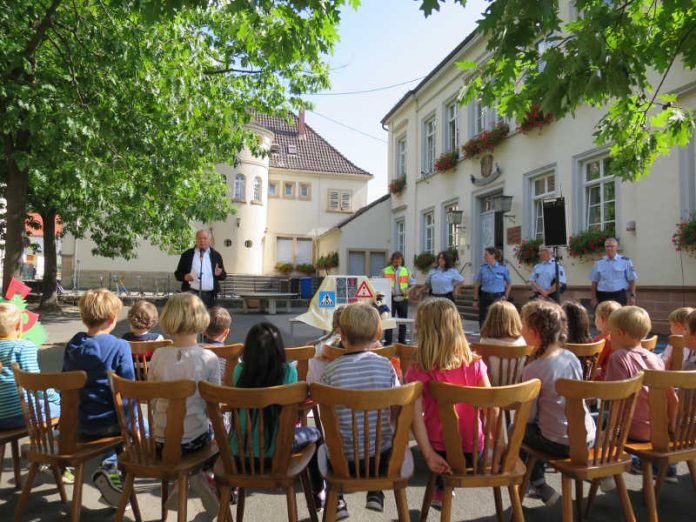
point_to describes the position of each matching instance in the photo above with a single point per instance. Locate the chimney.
(300, 125)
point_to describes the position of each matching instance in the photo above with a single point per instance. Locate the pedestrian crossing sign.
(364, 291)
(327, 299)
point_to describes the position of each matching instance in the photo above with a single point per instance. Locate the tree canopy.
(113, 113)
(613, 54)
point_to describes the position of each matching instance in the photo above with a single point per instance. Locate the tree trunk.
(16, 190)
(49, 299)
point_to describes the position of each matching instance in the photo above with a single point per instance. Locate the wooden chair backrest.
(618, 400)
(230, 353)
(301, 354)
(142, 351)
(501, 448)
(367, 409)
(32, 388)
(385, 351)
(588, 353)
(649, 343)
(676, 362)
(134, 402)
(513, 359)
(406, 354)
(333, 352)
(661, 383)
(248, 404)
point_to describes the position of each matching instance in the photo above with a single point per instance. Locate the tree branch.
(231, 69)
(43, 26)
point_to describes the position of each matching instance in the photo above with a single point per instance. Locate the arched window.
(257, 189)
(240, 187)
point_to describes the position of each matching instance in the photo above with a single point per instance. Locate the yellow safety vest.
(403, 277)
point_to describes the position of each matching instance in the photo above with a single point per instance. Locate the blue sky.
(384, 42)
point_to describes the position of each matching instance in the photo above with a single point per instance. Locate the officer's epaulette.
(626, 258)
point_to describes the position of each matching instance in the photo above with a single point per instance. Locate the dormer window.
(275, 148)
(292, 149)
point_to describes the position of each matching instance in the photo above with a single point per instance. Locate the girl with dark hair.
(444, 280)
(492, 283)
(265, 365)
(578, 323)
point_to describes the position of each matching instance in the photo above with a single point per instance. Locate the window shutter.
(333, 200)
(345, 201)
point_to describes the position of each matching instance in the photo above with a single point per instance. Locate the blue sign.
(327, 299)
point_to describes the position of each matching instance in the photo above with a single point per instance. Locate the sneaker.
(546, 493)
(108, 482)
(636, 467)
(203, 484)
(607, 484)
(437, 499)
(375, 501)
(172, 502)
(342, 510)
(671, 477)
(69, 475)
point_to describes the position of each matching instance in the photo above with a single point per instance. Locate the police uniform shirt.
(493, 279)
(545, 272)
(442, 281)
(613, 275)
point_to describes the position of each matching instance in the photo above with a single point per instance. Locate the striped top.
(24, 353)
(361, 371)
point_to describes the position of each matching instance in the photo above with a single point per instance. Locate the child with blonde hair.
(678, 325)
(317, 365)
(544, 327)
(602, 313)
(185, 317)
(443, 355)
(502, 327)
(14, 349)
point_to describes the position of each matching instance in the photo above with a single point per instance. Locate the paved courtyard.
(677, 502)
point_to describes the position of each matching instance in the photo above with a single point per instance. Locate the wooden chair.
(606, 457)
(302, 355)
(406, 353)
(230, 355)
(142, 352)
(649, 343)
(367, 409)
(332, 352)
(588, 353)
(140, 456)
(247, 470)
(670, 443)
(508, 364)
(47, 447)
(500, 464)
(12, 437)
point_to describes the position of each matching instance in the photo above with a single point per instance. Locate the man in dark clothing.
(201, 269)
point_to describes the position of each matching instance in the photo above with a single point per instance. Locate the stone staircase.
(465, 304)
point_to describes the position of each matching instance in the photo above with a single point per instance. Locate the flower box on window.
(284, 268)
(424, 261)
(306, 268)
(485, 141)
(527, 252)
(534, 119)
(589, 244)
(398, 185)
(684, 238)
(446, 161)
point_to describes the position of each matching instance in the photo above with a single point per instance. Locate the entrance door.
(487, 231)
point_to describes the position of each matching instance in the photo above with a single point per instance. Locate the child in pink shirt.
(443, 355)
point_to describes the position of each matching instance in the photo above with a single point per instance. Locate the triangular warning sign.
(364, 291)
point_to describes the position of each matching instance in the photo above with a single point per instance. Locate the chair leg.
(183, 497)
(446, 514)
(649, 492)
(16, 466)
(26, 491)
(331, 505)
(578, 499)
(567, 497)
(59, 483)
(692, 470)
(136, 507)
(625, 501)
(660, 480)
(123, 501)
(309, 496)
(402, 504)
(240, 504)
(2, 459)
(531, 460)
(513, 491)
(77, 491)
(292, 503)
(428, 497)
(165, 497)
(594, 486)
(498, 497)
(224, 503)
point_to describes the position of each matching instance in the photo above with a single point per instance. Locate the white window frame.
(485, 118)
(291, 184)
(339, 200)
(273, 189)
(537, 201)
(451, 127)
(239, 188)
(258, 190)
(603, 180)
(308, 186)
(294, 242)
(401, 156)
(429, 144)
(451, 233)
(400, 234)
(428, 231)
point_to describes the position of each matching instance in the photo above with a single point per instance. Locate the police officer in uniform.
(613, 277)
(399, 280)
(492, 283)
(543, 278)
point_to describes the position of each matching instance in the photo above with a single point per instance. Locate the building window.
(239, 188)
(452, 127)
(429, 232)
(400, 170)
(303, 252)
(295, 250)
(485, 118)
(340, 200)
(304, 191)
(289, 189)
(600, 195)
(258, 189)
(400, 235)
(451, 230)
(429, 146)
(543, 187)
(272, 189)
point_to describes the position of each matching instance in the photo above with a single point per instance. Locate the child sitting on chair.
(678, 326)
(602, 313)
(142, 317)
(360, 369)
